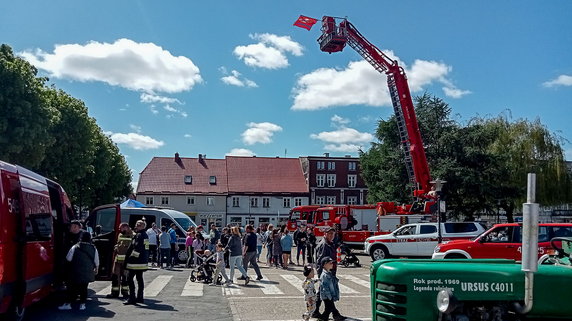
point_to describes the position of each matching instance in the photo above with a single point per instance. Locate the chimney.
(177, 158)
(200, 157)
(326, 154)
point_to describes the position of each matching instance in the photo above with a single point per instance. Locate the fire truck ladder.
(393, 92)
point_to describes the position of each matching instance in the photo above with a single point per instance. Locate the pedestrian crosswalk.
(273, 285)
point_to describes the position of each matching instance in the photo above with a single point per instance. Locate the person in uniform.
(136, 260)
(118, 277)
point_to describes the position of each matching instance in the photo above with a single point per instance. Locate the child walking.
(309, 292)
(329, 290)
(220, 264)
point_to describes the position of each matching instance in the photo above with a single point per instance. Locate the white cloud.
(234, 79)
(454, 92)
(562, 80)
(134, 185)
(149, 99)
(153, 109)
(282, 43)
(187, 136)
(136, 141)
(346, 148)
(171, 109)
(269, 52)
(260, 133)
(339, 121)
(343, 136)
(360, 84)
(136, 128)
(240, 152)
(125, 63)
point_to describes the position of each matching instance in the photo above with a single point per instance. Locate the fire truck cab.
(34, 216)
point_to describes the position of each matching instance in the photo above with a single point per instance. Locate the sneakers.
(241, 278)
(258, 278)
(65, 306)
(339, 318)
(246, 280)
(130, 302)
(82, 306)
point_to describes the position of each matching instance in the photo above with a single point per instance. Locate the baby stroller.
(205, 268)
(348, 257)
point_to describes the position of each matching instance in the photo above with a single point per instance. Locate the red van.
(34, 216)
(502, 241)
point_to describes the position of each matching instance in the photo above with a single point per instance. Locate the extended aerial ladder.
(333, 39)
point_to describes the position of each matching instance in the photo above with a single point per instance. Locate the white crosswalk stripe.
(192, 289)
(355, 279)
(157, 285)
(346, 289)
(232, 289)
(105, 291)
(294, 281)
(268, 288)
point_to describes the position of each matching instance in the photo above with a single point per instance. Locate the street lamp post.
(438, 184)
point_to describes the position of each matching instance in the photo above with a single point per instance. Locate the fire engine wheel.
(16, 313)
(193, 276)
(379, 252)
(182, 256)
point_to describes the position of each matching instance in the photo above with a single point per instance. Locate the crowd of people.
(229, 248)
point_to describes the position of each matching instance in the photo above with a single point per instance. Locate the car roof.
(539, 224)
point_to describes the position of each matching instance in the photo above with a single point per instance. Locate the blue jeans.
(236, 261)
(258, 251)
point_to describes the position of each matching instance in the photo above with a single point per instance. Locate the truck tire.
(15, 313)
(455, 256)
(379, 252)
(182, 256)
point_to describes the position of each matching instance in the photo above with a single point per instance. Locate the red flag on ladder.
(305, 22)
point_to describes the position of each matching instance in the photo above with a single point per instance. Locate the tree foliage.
(484, 162)
(50, 132)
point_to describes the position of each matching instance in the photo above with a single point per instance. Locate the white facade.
(261, 209)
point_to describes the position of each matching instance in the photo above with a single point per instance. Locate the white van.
(104, 222)
(418, 239)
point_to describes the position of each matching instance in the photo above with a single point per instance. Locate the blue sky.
(235, 77)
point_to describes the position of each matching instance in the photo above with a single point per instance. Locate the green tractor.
(462, 290)
(487, 290)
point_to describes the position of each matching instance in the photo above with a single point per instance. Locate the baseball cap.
(326, 260)
(331, 229)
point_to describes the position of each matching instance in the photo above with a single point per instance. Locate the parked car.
(106, 219)
(418, 239)
(502, 241)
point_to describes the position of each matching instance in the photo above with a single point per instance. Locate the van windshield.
(185, 222)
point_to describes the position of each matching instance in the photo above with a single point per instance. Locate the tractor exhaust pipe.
(529, 244)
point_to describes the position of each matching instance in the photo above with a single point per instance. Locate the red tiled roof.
(163, 174)
(265, 175)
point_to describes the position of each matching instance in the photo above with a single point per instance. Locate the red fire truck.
(356, 222)
(34, 215)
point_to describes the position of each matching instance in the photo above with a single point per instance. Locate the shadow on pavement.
(151, 304)
(47, 309)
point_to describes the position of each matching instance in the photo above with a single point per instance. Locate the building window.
(164, 200)
(321, 165)
(331, 180)
(266, 202)
(320, 200)
(254, 202)
(210, 201)
(331, 166)
(235, 202)
(149, 200)
(352, 200)
(297, 201)
(331, 200)
(320, 180)
(235, 220)
(286, 202)
(188, 179)
(212, 180)
(352, 180)
(190, 200)
(352, 166)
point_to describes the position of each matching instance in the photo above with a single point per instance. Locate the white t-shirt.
(152, 236)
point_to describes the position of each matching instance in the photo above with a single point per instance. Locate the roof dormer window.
(212, 180)
(188, 179)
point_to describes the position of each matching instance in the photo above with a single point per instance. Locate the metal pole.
(439, 235)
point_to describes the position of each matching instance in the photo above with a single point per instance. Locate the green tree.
(70, 158)
(24, 117)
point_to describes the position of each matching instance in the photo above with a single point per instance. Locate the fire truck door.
(405, 241)
(38, 257)
(104, 222)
